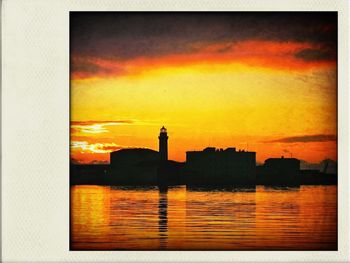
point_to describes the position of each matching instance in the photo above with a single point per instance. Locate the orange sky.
(269, 95)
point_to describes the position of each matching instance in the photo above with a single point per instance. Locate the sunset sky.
(263, 82)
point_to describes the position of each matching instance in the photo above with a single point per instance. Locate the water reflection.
(91, 224)
(281, 187)
(163, 219)
(223, 218)
(261, 218)
(134, 188)
(219, 188)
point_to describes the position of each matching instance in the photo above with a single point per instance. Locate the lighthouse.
(163, 144)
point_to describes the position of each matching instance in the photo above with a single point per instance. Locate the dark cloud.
(74, 161)
(125, 35)
(306, 138)
(88, 66)
(85, 67)
(315, 55)
(110, 148)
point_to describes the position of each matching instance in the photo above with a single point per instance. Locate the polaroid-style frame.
(35, 132)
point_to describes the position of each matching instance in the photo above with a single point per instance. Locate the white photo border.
(35, 131)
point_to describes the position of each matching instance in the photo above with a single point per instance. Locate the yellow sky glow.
(220, 105)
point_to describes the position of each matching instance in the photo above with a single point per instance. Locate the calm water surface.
(119, 218)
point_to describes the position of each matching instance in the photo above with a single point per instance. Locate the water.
(122, 218)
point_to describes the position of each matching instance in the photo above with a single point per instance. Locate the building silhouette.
(169, 172)
(163, 144)
(134, 166)
(280, 171)
(211, 167)
(141, 166)
(89, 174)
(220, 167)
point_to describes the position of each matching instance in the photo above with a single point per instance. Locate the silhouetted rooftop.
(134, 150)
(279, 159)
(213, 150)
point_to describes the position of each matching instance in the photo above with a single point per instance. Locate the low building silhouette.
(89, 174)
(209, 168)
(316, 177)
(220, 167)
(141, 166)
(134, 166)
(279, 171)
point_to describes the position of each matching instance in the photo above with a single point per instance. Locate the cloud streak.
(256, 53)
(85, 147)
(305, 139)
(123, 35)
(121, 44)
(95, 126)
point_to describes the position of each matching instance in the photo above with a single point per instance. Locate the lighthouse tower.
(163, 144)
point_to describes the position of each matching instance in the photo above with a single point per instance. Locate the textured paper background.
(35, 130)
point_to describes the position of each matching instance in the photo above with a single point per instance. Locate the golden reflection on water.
(126, 218)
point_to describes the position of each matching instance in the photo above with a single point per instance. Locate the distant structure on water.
(140, 166)
(280, 171)
(210, 167)
(163, 144)
(220, 167)
(134, 166)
